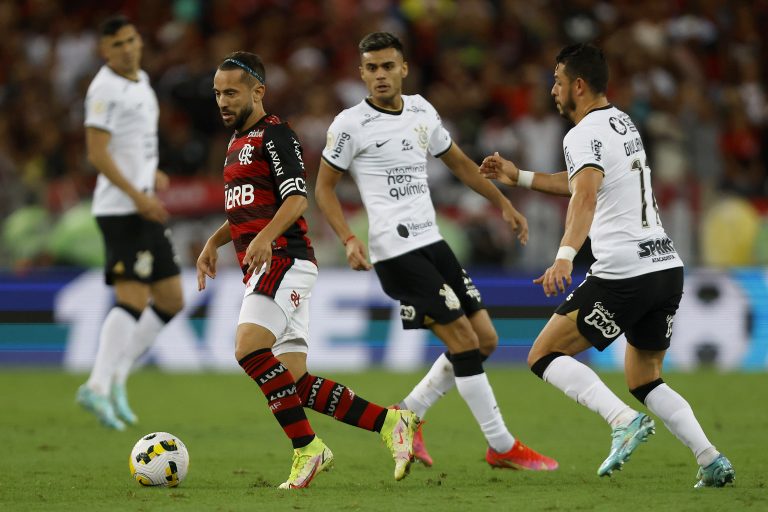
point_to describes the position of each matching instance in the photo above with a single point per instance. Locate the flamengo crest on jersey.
(627, 236)
(262, 168)
(128, 110)
(386, 154)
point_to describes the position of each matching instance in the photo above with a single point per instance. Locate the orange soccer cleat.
(520, 457)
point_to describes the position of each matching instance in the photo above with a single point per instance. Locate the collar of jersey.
(123, 77)
(254, 125)
(606, 107)
(385, 111)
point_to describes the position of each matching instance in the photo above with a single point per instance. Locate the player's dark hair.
(587, 62)
(249, 63)
(376, 41)
(111, 25)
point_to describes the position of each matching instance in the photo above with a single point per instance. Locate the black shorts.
(642, 307)
(137, 249)
(431, 286)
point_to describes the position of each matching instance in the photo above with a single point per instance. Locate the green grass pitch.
(56, 457)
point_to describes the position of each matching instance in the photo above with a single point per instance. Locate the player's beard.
(242, 117)
(568, 107)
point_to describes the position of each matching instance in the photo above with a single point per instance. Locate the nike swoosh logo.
(379, 144)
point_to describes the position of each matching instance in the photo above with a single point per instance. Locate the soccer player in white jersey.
(383, 143)
(121, 114)
(636, 283)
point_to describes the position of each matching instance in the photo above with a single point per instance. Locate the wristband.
(348, 239)
(566, 252)
(525, 178)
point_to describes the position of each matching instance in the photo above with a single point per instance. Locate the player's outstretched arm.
(466, 170)
(581, 211)
(495, 167)
(328, 202)
(206, 262)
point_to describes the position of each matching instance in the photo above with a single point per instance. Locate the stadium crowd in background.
(691, 74)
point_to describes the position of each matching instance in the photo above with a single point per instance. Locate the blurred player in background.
(121, 115)
(383, 143)
(266, 195)
(636, 283)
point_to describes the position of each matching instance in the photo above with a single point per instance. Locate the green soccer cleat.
(398, 431)
(717, 474)
(120, 404)
(100, 406)
(625, 439)
(308, 461)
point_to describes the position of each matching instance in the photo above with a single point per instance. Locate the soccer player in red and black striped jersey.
(265, 197)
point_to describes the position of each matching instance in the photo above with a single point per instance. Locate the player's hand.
(258, 254)
(206, 265)
(357, 256)
(162, 181)
(557, 278)
(517, 222)
(495, 167)
(151, 208)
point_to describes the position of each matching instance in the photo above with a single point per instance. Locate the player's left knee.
(641, 392)
(538, 365)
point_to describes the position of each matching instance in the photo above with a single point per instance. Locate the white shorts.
(287, 314)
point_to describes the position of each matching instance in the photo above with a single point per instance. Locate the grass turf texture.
(56, 457)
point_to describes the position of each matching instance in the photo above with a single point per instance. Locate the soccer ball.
(159, 458)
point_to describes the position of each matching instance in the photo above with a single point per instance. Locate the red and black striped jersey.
(262, 168)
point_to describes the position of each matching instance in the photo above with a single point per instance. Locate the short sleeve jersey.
(385, 152)
(627, 236)
(129, 111)
(263, 167)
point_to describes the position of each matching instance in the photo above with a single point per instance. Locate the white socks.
(436, 383)
(147, 328)
(579, 382)
(678, 416)
(477, 393)
(116, 335)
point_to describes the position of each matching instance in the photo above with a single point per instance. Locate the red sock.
(277, 384)
(334, 399)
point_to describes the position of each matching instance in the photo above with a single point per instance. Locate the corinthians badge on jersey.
(422, 136)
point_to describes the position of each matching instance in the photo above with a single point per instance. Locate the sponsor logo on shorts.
(472, 291)
(295, 298)
(407, 313)
(602, 320)
(451, 300)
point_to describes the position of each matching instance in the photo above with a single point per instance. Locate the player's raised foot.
(100, 406)
(625, 439)
(120, 404)
(398, 432)
(308, 461)
(420, 453)
(520, 457)
(717, 474)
